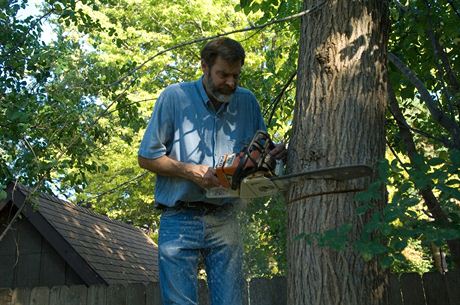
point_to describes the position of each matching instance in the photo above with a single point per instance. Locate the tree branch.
(442, 140)
(395, 154)
(42, 177)
(426, 192)
(277, 99)
(401, 6)
(33, 25)
(412, 153)
(454, 8)
(18, 212)
(190, 42)
(437, 114)
(440, 54)
(114, 189)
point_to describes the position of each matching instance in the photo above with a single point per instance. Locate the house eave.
(81, 267)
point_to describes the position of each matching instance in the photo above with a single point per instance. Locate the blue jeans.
(184, 235)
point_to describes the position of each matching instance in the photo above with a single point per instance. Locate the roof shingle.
(116, 251)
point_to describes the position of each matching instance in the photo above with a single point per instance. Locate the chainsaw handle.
(231, 169)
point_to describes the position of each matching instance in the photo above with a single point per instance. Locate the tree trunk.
(338, 120)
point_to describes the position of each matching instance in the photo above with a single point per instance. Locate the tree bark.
(338, 120)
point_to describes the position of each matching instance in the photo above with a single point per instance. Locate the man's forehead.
(222, 65)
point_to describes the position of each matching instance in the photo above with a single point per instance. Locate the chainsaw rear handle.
(253, 158)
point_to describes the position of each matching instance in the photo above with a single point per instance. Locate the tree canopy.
(72, 110)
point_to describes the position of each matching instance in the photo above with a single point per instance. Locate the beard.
(221, 95)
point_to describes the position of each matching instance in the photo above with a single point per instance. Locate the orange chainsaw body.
(228, 164)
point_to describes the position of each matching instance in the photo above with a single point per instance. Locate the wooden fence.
(408, 289)
(430, 289)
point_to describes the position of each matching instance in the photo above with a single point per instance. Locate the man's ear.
(204, 67)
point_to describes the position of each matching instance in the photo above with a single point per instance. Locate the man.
(192, 125)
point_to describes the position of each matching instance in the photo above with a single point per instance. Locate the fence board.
(153, 294)
(409, 289)
(40, 296)
(97, 295)
(116, 295)
(135, 294)
(394, 290)
(412, 289)
(21, 296)
(264, 291)
(6, 296)
(77, 295)
(435, 289)
(453, 287)
(59, 295)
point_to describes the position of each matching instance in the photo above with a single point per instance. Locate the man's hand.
(203, 175)
(279, 152)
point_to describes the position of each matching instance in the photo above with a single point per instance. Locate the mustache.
(226, 90)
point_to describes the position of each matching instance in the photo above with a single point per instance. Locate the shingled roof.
(99, 249)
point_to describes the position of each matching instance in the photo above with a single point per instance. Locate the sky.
(32, 9)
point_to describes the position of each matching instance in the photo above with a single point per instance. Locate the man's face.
(221, 80)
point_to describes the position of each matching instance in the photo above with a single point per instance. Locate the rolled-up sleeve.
(159, 132)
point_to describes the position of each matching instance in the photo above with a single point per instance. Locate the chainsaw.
(254, 172)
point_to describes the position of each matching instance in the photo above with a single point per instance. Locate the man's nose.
(231, 81)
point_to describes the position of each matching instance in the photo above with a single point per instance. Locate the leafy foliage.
(72, 111)
(425, 36)
(404, 221)
(428, 97)
(53, 103)
(264, 231)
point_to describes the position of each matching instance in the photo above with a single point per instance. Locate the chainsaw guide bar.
(260, 185)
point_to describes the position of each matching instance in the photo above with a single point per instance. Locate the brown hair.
(228, 49)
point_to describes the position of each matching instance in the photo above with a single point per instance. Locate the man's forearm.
(166, 166)
(202, 175)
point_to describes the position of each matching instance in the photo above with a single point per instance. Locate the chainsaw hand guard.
(254, 158)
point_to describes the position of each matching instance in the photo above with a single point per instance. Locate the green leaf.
(362, 209)
(3, 195)
(435, 161)
(399, 245)
(453, 182)
(386, 261)
(245, 3)
(455, 157)
(59, 8)
(407, 93)
(392, 214)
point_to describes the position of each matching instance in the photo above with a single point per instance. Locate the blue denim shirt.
(185, 127)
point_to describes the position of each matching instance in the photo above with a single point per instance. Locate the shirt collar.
(202, 91)
(204, 96)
